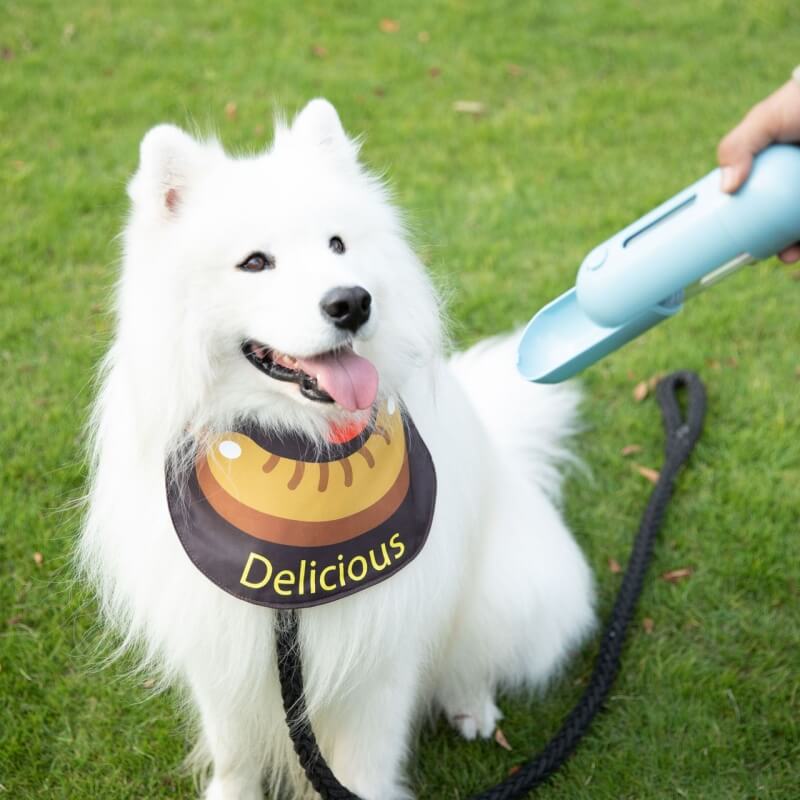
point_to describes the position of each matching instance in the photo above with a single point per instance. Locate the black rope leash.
(681, 437)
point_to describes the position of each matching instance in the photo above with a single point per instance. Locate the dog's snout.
(348, 307)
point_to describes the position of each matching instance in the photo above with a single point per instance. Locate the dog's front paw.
(234, 788)
(480, 721)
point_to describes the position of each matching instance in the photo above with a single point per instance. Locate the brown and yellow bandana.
(278, 521)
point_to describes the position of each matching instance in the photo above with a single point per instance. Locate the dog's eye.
(336, 244)
(257, 262)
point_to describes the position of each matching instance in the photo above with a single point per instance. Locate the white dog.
(279, 291)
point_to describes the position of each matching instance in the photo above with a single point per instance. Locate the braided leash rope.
(681, 437)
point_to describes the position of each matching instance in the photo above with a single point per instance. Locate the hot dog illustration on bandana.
(281, 521)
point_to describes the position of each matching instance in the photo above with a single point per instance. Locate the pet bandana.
(279, 521)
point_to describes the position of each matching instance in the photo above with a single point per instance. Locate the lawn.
(592, 113)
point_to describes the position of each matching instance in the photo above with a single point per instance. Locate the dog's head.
(279, 285)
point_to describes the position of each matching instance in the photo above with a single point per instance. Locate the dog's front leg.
(368, 734)
(233, 741)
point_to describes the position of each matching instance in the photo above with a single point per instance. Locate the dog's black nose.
(347, 307)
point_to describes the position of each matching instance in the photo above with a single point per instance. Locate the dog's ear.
(319, 125)
(170, 160)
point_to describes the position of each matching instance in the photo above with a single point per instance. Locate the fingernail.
(728, 179)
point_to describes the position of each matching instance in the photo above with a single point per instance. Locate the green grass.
(618, 106)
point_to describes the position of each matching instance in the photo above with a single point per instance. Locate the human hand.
(774, 119)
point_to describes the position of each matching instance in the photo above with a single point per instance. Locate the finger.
(734, 175)
(735, 155)
(791, 254)
(750, 136)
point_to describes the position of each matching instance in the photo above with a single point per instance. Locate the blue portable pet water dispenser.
(645, 273)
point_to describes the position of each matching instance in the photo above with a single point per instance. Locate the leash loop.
(682, 433)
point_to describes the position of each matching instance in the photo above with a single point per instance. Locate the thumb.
(735, 155)
(756, 131)
(735, 173)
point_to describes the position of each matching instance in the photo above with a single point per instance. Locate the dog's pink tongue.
(349, 379)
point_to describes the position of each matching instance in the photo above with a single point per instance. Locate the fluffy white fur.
(499, 596)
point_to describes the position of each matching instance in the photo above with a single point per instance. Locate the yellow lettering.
(363, 568)
(285, 576)
(396, 544)
(245, 579)
(301, 579)
(323, 584)
(385, 558)
(341, 569)
(313, 578)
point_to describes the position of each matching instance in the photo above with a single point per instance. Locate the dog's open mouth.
(338, 376)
